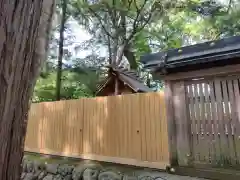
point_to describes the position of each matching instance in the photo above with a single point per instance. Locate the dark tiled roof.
(203, 53)
(128, 77)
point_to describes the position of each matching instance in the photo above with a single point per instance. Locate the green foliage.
(75, 85)
(153, 26)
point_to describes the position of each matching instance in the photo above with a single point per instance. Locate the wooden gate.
(207, 115)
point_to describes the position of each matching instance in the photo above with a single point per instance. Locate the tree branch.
(229, 6)
(134, 31)
(101, 23)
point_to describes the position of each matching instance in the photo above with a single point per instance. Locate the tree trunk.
(23, 30)
(60, 50)
(130, 57)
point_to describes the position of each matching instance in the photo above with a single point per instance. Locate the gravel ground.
(165, 176)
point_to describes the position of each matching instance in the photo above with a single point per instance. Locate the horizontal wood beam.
(210, 173)
(225, 70)
(94, 157)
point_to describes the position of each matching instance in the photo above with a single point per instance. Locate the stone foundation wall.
(37, 170)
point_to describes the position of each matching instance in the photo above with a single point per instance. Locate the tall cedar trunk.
(126, 51)
(130, 57)
(23, 28)
(60, 49)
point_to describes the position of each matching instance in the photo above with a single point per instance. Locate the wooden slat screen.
(214, 112)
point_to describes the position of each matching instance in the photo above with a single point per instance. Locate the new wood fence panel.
(128, 129)
(135, 119)
(33, 137)
(161, 127)
(75, 126)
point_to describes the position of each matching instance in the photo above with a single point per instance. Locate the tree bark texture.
(24, 26)
(60, 49)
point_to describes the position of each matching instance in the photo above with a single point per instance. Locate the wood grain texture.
(213, 108)
(128, 127)
(24, 30)
(182, 125)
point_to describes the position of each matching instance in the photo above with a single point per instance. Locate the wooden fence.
(128, 129)
(206, 122)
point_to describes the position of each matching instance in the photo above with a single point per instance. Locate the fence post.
(171, 123)
(183, 124)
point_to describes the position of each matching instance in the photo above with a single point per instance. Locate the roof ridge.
(130, 73)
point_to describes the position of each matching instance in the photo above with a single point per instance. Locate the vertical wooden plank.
(93, 126)
(119, 119)
(100, 124)
(43, 129)
(158, 126)
(37, 117)
(105, 126)
(129, 127)
(98, 105)
(236, 85)
(183, 125)
(50, 122)
(122, 118)
(132, 136)
(78, 136)
(148, 127)
(171, 121)
(192, 107)
(143, 129)
(59, 106)
(222, 132)
(89, 124)
(164, 134)
(228, 122)
(233, 117)
(94, 119)
(209, 123)
(72, 117)
(70, 122)
(198, 122)
(114, 127)
(44, 126)
(68, 127)
(50, 119)
(135, 119)
(61, 135)
(203, 133)
(86, 128)
(130, 130)
(163, 126)
(215, 126)
(66, 144)
(117, 126)
(155, 100)
(47, 123)
(108, 127)
(125, 128)
(151, 130)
